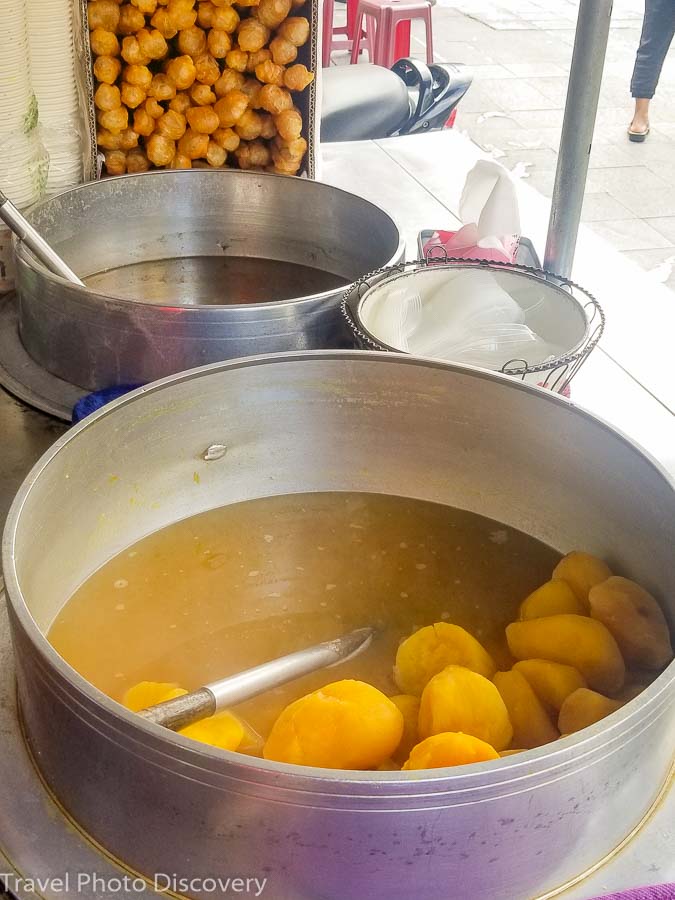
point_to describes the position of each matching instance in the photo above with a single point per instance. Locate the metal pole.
(581, 106)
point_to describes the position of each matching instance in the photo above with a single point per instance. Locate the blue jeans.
(657, 34)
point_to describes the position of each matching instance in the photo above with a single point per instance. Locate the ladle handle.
(181, 711)
(25, 232)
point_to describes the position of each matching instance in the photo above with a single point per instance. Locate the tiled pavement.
(520, 51)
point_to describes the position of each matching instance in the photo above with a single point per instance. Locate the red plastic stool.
(382, 18)
(345, 32)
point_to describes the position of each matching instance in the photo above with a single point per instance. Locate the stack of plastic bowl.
(52, 63)
(23, 162)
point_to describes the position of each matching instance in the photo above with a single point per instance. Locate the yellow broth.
(231, 588)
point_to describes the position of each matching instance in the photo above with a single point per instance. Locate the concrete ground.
(520, 52)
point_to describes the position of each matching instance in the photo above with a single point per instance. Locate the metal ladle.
(36, 244)
(210, 699)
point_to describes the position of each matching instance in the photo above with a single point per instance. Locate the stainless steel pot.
(191, 267)
(338, 421)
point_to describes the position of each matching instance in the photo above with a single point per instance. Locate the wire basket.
(554, 374)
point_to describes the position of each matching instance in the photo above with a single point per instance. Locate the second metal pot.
(193, 267)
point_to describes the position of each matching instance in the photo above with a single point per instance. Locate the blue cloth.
(91, 402)
(658, 30)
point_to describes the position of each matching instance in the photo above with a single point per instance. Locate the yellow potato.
(511, 752)
(222, 730)
(431, 649)
(583, 708)
(449, 749)
(531, 724)
(410, 710)
(345, 725)
(458, 699)
(552, 599)
(635, 620)
(574, 641)
(148, 693)
(388, 766)
(582, 572)
(552, 682)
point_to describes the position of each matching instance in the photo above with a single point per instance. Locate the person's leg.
(657, 34)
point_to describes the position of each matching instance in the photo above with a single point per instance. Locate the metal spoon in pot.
(38, 245)
(219, 695)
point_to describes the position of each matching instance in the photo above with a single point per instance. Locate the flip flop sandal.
(637, 136)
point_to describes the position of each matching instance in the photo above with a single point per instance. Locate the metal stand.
(588, 59)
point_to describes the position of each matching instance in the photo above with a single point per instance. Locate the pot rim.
(86, 296)
(305, 777)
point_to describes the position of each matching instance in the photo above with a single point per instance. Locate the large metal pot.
(338, 421)
(192, 267)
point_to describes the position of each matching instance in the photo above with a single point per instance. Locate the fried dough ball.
(141, 76)
(202, 95)
(192, 41)
(252, 35)
(219, 43)
(551, 599)
(132, 53)
(574, 641)
(297, 77)
(128, 139)
(208, 70)
(193, 144)
(289, 124)
(172, 125)
(144, 123)
(147, 7)
(227, 138)
(163, 22)
(231, 108)
(137, 161)
(115, 120)
(273, 12)
(298, 4)
(222, 3)
(251, 87)
(237, 60)
(107, 96)
(226, 19)
(103, 14)
(162, 88)
(153, 108)
(107, 69)
(449, 749)
(295, 29)
(269, 73)
(182, 13)
(216, 155)
(152, 43)
(457, 699)
(104, 43)
(160, 149)
(290, 152)
(203, 119)
(268, 129)
(344, 725)
(283, 52)
(205, 13)
(132, 95)
(254, 59)
(429, 650)
(228, 81)
(583, 708)
(106, 140)
(182, 71)
(180, 161)
(532, 726)
(182, 102)
(635, 620)
(274, 99)
(582, 571)
(249, 125)
(131, 20)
